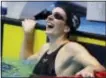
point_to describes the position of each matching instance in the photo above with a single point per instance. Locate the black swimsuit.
(46, 65)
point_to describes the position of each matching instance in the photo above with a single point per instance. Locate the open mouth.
(50, 26)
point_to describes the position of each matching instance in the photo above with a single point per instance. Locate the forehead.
(59, 10)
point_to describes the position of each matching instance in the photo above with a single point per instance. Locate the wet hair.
(73, 20)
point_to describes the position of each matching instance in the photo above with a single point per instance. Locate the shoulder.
(45, 46)
(43, 49)
(69, 51)
(79, 51)
(75, 46)
(39, 54)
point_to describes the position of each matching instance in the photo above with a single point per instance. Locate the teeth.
(50, 26)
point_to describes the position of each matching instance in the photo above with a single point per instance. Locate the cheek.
(59, 23)
(59, 26)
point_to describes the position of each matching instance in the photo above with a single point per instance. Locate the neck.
(55, 42)
(54, 39)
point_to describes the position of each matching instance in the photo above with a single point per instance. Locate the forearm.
(27, 46)
(92, 69)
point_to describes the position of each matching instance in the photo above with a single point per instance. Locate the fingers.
(28, 25)
(27, 20)
(85, 74)
(88, 75)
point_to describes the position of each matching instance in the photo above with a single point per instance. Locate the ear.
(66, 29)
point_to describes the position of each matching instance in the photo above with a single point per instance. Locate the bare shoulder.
(43, 49)
(67, 58)
(76, 47)
(45, 46)
(70, 50)
(39, 54)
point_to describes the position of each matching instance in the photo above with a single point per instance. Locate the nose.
(50, 18)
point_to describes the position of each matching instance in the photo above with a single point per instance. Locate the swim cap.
(73, 20)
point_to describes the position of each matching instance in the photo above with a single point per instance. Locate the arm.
(90, 63)
(27, 53)
(27, 47)
(73, 58)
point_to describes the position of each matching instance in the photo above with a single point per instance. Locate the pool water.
(16, 68)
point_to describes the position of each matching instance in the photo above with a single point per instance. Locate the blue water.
(16, 68)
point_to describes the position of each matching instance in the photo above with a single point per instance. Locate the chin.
(50, 34)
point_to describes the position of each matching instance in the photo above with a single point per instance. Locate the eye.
(58, 16)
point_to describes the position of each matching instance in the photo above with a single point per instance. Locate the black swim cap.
(73, 21)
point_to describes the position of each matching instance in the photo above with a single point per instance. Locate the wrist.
(29, 32)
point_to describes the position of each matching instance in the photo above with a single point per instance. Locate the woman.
(59, 57)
